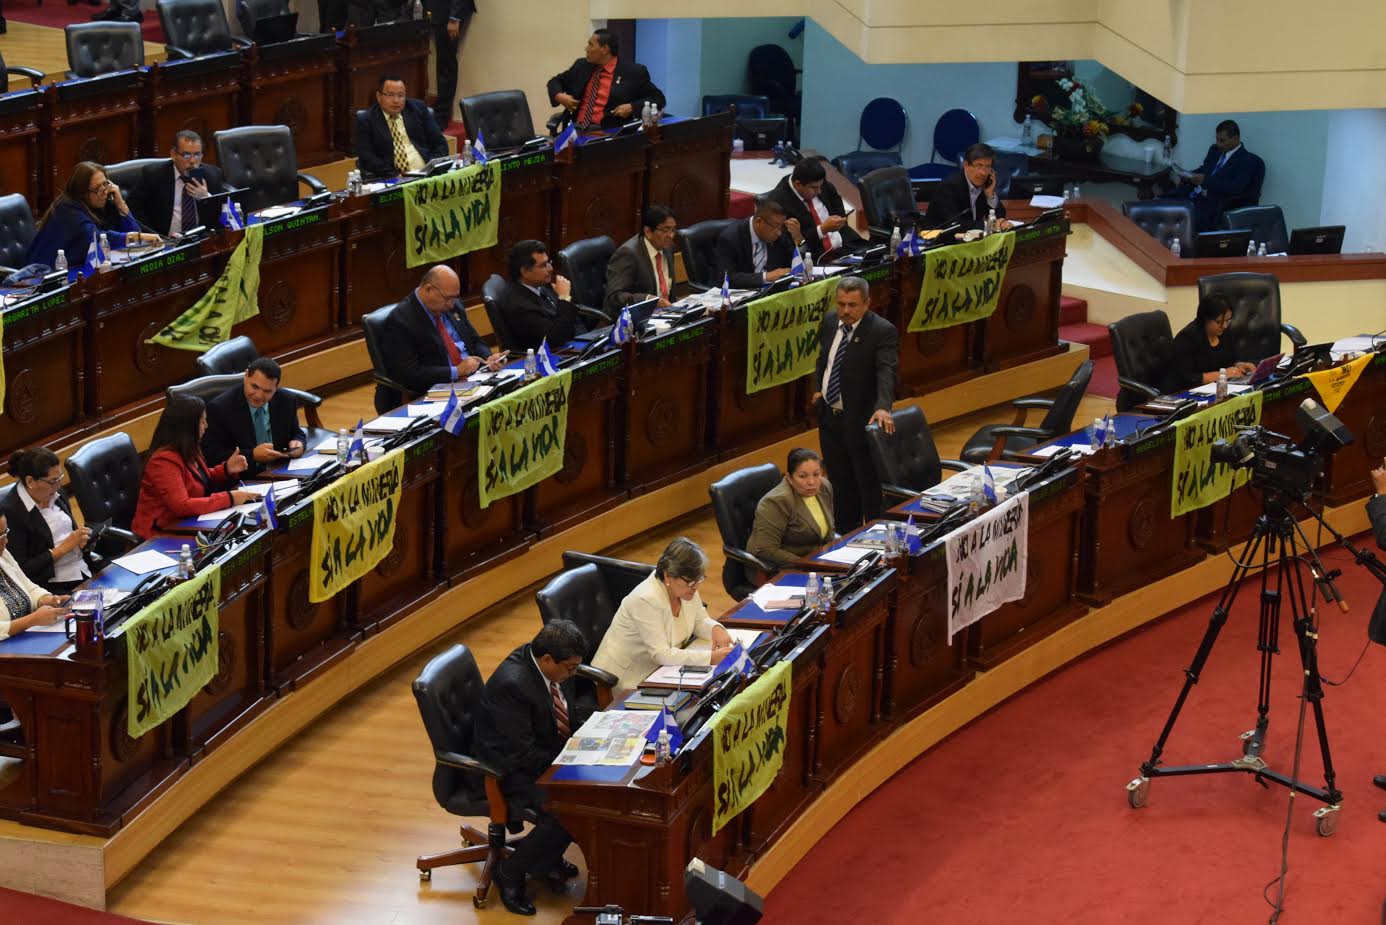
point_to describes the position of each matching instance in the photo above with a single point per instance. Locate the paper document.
(1046, 202)
(145, 561)
(847, 555)
(690, 676)
(960, 484)
(282, 488)
(1358, 344)
(216, 517)
(386, 424)
(310, 463)
(329, 446)
(610, 737)
(746, 637)
(766, 595)
(1211, 388)
(426, 409)
(830, 270)
(1047, 451)
(274, 212)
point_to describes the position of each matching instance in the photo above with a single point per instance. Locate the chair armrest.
(302, 397)
(313, 183)
(6, 271)
(389, 383)
(597, 676)
(595, 314)
(1006, 430)
(1139, 387)
(745, 558)
(1045, 403)
(33, 75)
(554, 120)
(177, 54)
(897, 491)
(125, 536)
(957, 465)
(464, 763)
(1294, 334)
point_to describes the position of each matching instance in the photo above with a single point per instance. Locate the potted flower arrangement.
(1081, 127)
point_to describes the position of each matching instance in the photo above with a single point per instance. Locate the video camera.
(1278, 466)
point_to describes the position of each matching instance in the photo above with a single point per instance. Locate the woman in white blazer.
(23, 604)
(661, 616)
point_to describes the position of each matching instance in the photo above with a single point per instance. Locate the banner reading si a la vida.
(962, 282)
(782, 334)
(354, 525)
(1198, 481)
(171, 650)
(1331, 384)
(987, 562)
(451, 214)
(233, 298)
(521, 437)
(749, 738)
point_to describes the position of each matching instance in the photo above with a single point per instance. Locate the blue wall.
(728, 42)
(672, 51)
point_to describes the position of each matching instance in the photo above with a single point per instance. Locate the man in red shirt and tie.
(602, 91)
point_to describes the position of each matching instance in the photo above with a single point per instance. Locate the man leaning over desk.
(759, 250)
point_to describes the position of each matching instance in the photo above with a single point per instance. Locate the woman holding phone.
(44, 539)
(88, 205)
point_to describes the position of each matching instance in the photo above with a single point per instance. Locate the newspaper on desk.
(611, 737)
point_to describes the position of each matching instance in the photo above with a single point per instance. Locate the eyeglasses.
(693, 582)
(4, 533)
(189, 155)
(391, 96)
(93, 190)
(55, 481)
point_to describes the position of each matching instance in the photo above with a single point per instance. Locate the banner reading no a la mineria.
(451, 214)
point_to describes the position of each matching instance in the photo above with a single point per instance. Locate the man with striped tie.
(397, 134)
(600, 89)
(858, 352)
(526, 715)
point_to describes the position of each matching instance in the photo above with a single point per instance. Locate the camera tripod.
(1278, 539)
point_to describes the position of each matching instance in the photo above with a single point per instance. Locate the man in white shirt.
(810, 198)
(643, 267)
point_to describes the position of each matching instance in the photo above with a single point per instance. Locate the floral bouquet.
(1084, 117)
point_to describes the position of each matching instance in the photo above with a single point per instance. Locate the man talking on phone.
(167, 195)
(254, 413)
(967, 197)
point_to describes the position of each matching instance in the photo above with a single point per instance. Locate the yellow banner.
(962, 283)
(521, 437)
(354, 524)
(782, 334)
(1198, 481)
(233, 298)
(749, 738)
(171, 651)
(452, 214)
(1334, 384)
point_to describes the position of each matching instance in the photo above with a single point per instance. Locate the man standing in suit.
(527, 714)
(449, 19)
(427, 338)
(396, 134)
(255, 418)
(758, 251)
(858, 352)
(643, 267)
(811, 200)
(1376, 628)
(968, 195)
(536, 303)
(166, 200)
(602, 91)
(1228, 172)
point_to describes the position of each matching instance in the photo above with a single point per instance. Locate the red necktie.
(659, 271)
(454, 355)
(560, 711)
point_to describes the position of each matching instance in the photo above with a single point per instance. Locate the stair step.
(1094, 335)
(1072, 311)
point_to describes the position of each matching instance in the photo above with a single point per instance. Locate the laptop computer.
(1221, 243)
(209, 207)
(278, 28)
(1326, 239)
(1263, 371)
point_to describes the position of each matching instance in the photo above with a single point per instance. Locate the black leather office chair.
(997, 441)
(96, 48)
(583, 595)
(105, 477)
(16, 232)
(209, 387)
(1256, 326)
(1164, 219)
(1266, 224)
(1142, 346)
(389, 394)
(584, 263)
(127, 174)
(620, 575)
(249, 12)
(740, 105)
(907, 462)
(7, 70)
(195, 27)
(771, 73)
(698, 244)
(857, 164)
(229, 356)
(888, 197)
(491, 292)
(1252, 195)
(503, 115)
(261, 160)
(734, 500)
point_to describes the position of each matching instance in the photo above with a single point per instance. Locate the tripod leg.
(1308, 637)
(1267, 642)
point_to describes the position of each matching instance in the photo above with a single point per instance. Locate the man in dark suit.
(166, 198)
(968, 195)
(858, 352)
(600, 89)
(450, 19)
(396, 134)
(758, 250)
(254, 418)
(536, 303)
(427, 338)
(1228, 172)
(643, 267)
(810, 199)
(527, 713)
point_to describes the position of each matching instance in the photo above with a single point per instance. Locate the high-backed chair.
(907, 462)
(389, 394)
(261, 159)
(204, 387)
(887, 197)
(229, 356)
(994, 441)
(16, 231)
(1164, 219)
(1142, 346)
(503, 115)
(1252, 195)
(620, 575)
(954, 132)
(1256, 326)
(583, 596)
(195, 27)
(771, 73)
(209, 387)
(1266, 224)
(96, 48)
(881, 129)
(584, 263)
(128, 174)
(856, 164)
(741, 105)
(491, 292)
(35, 77)
(105, 476)
(734, 500)
(698, 244)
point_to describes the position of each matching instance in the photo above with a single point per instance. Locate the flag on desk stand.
(665, 722)
(988, 484)
(269, 517)
(911, 245)
(454, 417)
(726, 291)
(230, 220)
(621, 330)
(544, 358)
(566, 138)
(796, 266)
(357, 449)
(479, 148)
(737, 660)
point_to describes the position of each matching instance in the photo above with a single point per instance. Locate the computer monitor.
(278, 28)
(1025, 185)
(1221, 243)
(1326, 239)
(209, 206)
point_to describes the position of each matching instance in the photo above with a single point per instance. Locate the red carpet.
(1022, 816)
(25, 908)
(56, 13)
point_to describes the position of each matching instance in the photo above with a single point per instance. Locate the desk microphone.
(941, 226)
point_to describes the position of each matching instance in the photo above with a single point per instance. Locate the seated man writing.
(757, 251)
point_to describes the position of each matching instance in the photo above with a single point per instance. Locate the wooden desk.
(90, 120)
(300, 285)
(666, 408)
(526, 212)
(45, 356)
(293, 83)
(200, 94)
(738, 421)
(364, 54)
(690, 168)
(601, 190)
(21, 144)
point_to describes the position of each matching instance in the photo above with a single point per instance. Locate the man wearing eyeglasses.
(166, 198)
(535, 303)
(759, 250)
(397, 134)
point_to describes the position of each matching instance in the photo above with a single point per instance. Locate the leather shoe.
(1380, 781)
(1382, 815)
(138, 17)
(512, 893)
(106, 15)
(559, 876)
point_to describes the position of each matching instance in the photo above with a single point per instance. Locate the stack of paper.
(778, 597)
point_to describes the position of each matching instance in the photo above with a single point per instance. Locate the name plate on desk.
(386, 197)
(163, 260)
(698, 330)
(296, 221)
(304, 46)
(26, 310)
(603, 362)
(1039, 232)
(531, 159)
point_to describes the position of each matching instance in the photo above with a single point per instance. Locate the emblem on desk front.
(847, 694)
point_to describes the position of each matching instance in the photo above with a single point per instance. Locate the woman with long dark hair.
(88, 205)
(44, 538)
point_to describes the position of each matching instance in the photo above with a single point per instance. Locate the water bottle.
(1097, 433)
(738, 146)
(892, 545)
(1261, 249)
(531, 366)
(418, 9)
(894, 241)
(813, 593)
(1068, 192)
(808, 267)
(1027, 132)
(991, 221)
(1168, 151)
(1222, 385)
(343, 446)
(1109, 437)
(826, 594)
(60, 262)
(105, 247)
(664, 749)
(975, 499)
(1174, 247)
(1251, 248)
(185, 563)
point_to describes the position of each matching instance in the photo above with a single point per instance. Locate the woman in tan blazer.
(796, 516)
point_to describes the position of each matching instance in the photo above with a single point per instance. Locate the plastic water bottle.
(1251, 248)
(186, 569)
(1222, 385)
(1261, 249)
(531, 366)
(60, 262)
(975, 499)
(664, 749)
(1098, 433)
(827, 593)
(1168, 151)
(1174, 247)
(813, 593)
(895, 240)
(808, 267)
(343, 446)
(991, 222)
(1109, 437)
(1027, 132)
(418, 9)
(105, 246)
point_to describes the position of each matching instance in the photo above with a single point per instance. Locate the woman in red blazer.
(177, 482)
